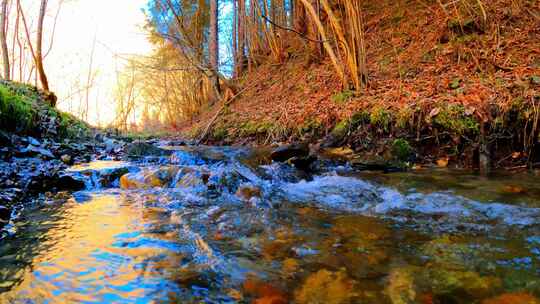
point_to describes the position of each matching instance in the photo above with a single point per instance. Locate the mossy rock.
(454, 119)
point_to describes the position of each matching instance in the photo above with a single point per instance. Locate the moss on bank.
(24, 110)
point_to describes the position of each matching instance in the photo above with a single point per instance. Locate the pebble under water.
(224, 225)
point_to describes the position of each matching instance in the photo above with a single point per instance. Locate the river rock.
(188, 177)
(66, 159)
(248, 193)
(286, 152)
(37, 151)
(5, 213)
(149, 178)
(69, 183)
(33, 141)
(5, 139)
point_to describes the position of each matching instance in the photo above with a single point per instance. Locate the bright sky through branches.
(117, 27)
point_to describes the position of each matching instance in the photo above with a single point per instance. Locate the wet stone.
(286, 152)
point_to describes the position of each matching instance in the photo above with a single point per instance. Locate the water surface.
(219, 225)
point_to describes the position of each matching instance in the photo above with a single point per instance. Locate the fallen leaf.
(514, 189)
(434, 112)
(443, 162)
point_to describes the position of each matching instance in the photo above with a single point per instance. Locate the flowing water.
(223, 225)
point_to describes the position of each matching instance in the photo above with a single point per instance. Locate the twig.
(303, 36)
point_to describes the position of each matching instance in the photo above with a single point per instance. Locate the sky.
(116, 26)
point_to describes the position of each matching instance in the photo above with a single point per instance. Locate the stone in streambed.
(66, 159)
(286, 152)
(69, 183)
(5, 213)
(149, 178)
(5, 139)
(248, 193)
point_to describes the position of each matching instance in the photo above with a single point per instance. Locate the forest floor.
(444, 88)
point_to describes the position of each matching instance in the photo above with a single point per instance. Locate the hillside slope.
(457, 88)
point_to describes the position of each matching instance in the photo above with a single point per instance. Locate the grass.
(24, 111)
(17, 112)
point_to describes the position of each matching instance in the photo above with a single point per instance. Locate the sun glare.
(92, 35)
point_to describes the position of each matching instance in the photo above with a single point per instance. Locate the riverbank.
(37, 144)
(444, 92)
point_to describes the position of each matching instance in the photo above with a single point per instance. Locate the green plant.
(342, 97)
(360, 118)
(311, 125)
(17, 112)
(404, 117)
(401, 149)
(341, 129)
(380, 117)
(220, 133)
(251, 128)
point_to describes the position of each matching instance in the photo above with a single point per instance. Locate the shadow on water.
(217, 225)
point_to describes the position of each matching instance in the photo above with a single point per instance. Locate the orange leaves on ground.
(513, 298)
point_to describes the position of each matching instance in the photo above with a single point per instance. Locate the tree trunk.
(39, 42)
(213, 44)
(234, 37)
(241, 37)
(3, 39)
(299, 17)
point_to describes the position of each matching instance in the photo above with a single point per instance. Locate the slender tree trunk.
(234, 37)
(213, 44)
(14, 41)
(3, 39)
(322, 32)
(241, 37)
(89, 79)
(39, 47)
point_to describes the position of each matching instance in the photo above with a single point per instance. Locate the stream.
(226, 225)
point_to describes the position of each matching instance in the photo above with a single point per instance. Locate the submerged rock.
(326, 287)
(400, 288)
(66, 159)
(247, 193)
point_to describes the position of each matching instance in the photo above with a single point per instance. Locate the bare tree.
(213, 44)
(3, 38)
(240, 55)
(39, 43)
